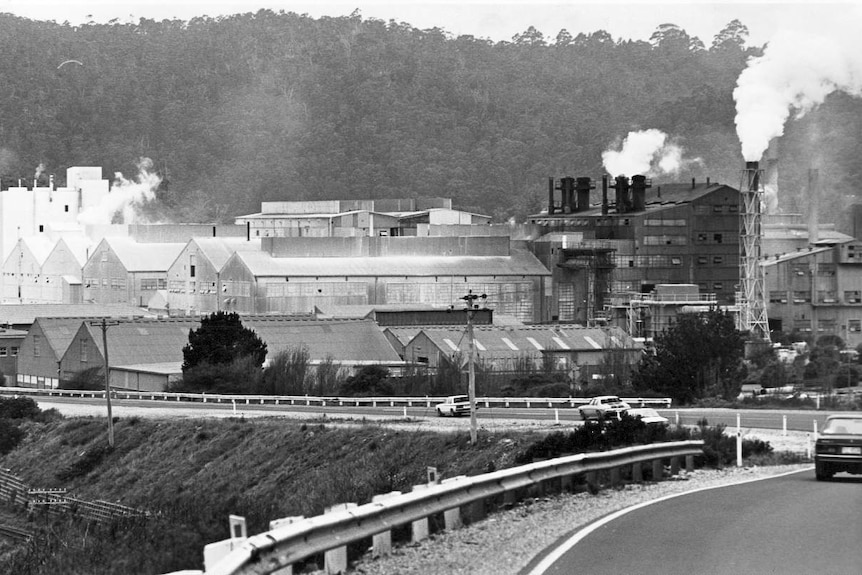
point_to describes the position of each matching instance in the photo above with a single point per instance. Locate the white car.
(603, 407)
(647, 415)
(454, 406)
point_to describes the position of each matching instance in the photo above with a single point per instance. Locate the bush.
(10, 436)
(238, 377)
(92, 379)
(18, 408)
(370, 380)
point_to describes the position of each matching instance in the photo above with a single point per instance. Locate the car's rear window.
(844, 425)
(460, 398)
(611, 400)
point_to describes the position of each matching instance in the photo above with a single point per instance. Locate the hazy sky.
(496, 20)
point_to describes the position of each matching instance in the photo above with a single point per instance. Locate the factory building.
(817, 291)
(293, 275)
(604, 253)
(350, 218)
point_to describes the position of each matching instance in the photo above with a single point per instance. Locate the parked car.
(647, 414)
(603, 407)
(839, 446)
(454, 406)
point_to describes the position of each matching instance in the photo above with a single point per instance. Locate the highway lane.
(798, 420)
(790, 524)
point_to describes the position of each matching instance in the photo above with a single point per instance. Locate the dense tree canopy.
(699, 356)
(222, 339)
(264, 106)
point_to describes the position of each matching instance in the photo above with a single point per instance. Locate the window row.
(9, 351)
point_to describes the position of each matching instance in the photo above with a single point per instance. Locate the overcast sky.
(496, 20)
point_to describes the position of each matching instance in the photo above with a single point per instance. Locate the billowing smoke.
(39, 169)
(121, 204)
(793, 76)
(647, 152)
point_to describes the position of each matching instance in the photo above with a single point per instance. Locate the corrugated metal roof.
(520, 262)
(137, 257)
(149, 342)
(21, 314)
(219, 250)
(498, 341)
(794, 256)
(59, 332)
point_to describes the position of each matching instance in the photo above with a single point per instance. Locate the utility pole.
(104, 325)
(471, 308)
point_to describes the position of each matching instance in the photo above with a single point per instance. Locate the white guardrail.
(323, 401)
(293, 540)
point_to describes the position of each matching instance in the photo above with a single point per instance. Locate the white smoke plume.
(39, 169)
(124, 199)
(647, 152)
(793, 76)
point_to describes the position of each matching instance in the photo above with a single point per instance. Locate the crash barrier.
(323, 401)
(293, 540)
(15, 492)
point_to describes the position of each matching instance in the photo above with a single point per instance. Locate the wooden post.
(637, 472)
(657, 470)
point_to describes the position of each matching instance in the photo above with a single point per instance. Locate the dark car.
(839, 447)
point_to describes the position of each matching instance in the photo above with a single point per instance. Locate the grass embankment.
(194, 473)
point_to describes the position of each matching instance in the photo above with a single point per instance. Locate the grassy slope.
(196, 472)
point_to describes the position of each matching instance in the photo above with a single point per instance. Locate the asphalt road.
(786, 525)
(759, 419)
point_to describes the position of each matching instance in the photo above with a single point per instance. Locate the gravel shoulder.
(507, 542)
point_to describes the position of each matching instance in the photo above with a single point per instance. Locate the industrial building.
(817, 291)
(349, 218)
(603, 253)
(293, 275)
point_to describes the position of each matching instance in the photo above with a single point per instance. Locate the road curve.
(788, 524)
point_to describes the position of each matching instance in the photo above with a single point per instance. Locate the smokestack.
(550, 196)
(604, 194)
(583, 187)
(622, 194)
(813, 200)
(639, 188)
(752, 172)
(567, 185)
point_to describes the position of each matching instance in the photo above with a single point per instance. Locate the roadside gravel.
(507, 541)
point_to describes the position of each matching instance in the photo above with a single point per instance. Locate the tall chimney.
(583, 187)
(752, 172)
(567, 184)
(813, 201)
(550, 196)
(621, 186)
(604, 194)
(639, 188)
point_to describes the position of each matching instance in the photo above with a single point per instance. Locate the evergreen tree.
(221, 339)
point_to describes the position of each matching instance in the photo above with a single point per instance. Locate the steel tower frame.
(752, 316)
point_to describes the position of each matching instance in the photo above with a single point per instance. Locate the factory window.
(665, 240)
(14, 351)
(701, 210)
(718, 286)
(41, 228)
(702, 260)
(733, 208)
(2, 352)
(802, 296)
(826, 270)
(826, 326)
(853, 296)
(676, 261)
(66, 208)
(717, 209)
(83, 351)
(854, 325)
(716, 238)
(37, 351)
(777, 297)
(105, 256)
(826, 296)
(718, 259)
(701, 238)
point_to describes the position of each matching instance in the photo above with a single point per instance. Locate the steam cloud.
(122, 202)
(794, 75)
(647, 152)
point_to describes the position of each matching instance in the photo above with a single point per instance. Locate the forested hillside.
(277, 106)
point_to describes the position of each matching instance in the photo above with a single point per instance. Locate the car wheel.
(822, 473)
(439, 412)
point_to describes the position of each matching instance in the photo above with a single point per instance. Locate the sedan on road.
(839, 446)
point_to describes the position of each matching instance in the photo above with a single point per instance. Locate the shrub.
(10, 436)
(91, 379)
(370, 380)
(87, 462)
(18, 408)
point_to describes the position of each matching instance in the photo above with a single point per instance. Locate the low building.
(10, 344)
(194, 281)
(121, 270)
(23, 281)
(579, 351)
(39, 358)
